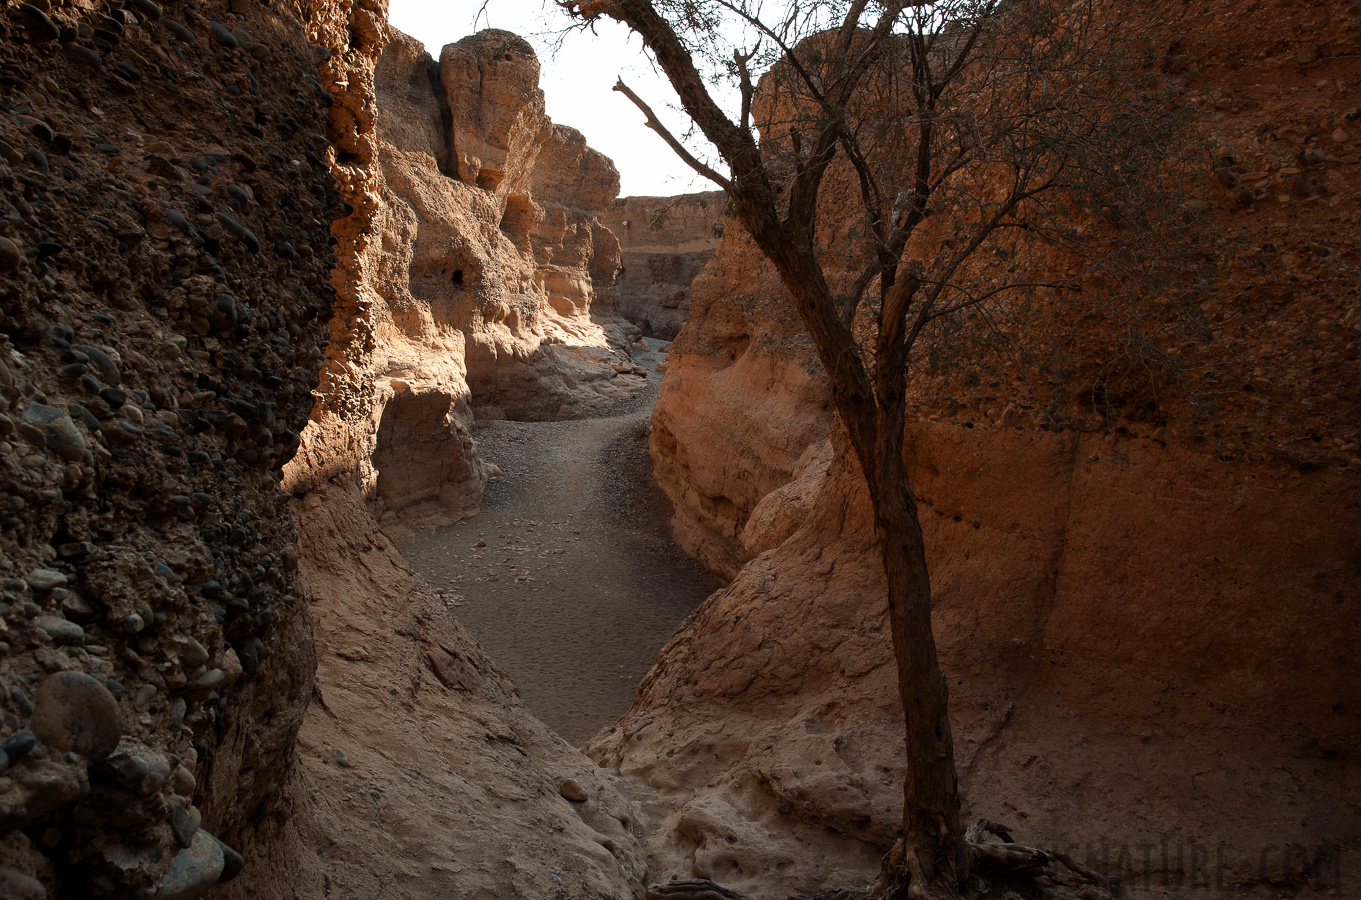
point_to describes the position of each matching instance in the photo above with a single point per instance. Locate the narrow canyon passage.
(568, 577)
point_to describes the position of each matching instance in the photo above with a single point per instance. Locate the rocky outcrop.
(665, 242)
(474, 273)
(163, 298)
(418, 765)
(743, 397)
(1143, 615)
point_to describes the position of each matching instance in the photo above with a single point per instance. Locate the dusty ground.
(575, 585)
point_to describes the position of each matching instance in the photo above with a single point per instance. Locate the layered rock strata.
(1144, 616)
(665, 242)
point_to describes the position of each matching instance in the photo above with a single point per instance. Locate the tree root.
(1050, 869)
(1056, 874)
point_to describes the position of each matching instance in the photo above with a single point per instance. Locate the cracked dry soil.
(569, 577)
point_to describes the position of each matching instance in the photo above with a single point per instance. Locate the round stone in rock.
(38, 26)
(18, 886)
(10, 255)
(184, 822)
(224, 35)
(65, 440)
(245, 234)
(147, 8)
(570, 790)
(114, 397)
(16, 746)
(45, 579)
(73, 711)
(86, 56)
(210, 679)
(62, 631)
(180, 32)
(234, 863)
(194, 870)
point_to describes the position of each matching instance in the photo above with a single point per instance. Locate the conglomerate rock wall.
(164, 295)
(1145, 618)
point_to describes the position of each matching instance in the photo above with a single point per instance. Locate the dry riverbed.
(568, 577)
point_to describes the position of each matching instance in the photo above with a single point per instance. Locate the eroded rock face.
(418, 764)
(1143, 620)
(471, 286)
(744, 396)
(665, 242)
(163, 297)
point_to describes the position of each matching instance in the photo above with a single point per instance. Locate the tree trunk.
(931, 855)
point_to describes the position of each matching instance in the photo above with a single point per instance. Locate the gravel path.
(568, 577)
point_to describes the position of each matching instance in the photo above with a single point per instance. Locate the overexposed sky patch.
(579, 72)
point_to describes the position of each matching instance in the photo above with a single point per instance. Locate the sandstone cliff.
(473, 278)
(664, 242)
(1144, 616)
(419, 770)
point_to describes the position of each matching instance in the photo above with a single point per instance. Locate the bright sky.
(577, 80)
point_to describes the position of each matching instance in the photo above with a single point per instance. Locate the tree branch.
(655, 124)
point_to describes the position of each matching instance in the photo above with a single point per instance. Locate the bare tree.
(902, 163)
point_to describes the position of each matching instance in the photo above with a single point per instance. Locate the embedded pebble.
(572, 791)
(194, 870)
(210, 679)
(61, 631)
(224, 35)
(194, 653)
(60, 434)
(180, 32)
(86, 56)
(10, 255)
(18, 886)
(241, 231)
(45, 579)
(184, 822)
(38, 26)
(184, 782)
(16, 747)
(233, 863)
(341, 759)
(73, 711)
(147, 8)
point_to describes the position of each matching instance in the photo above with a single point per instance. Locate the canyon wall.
(664, 242)
(163, 300)
(476, 261)
(473, 278)
(1145, 620)
(204, 681)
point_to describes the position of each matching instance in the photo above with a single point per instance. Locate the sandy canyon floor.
(568, 577)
